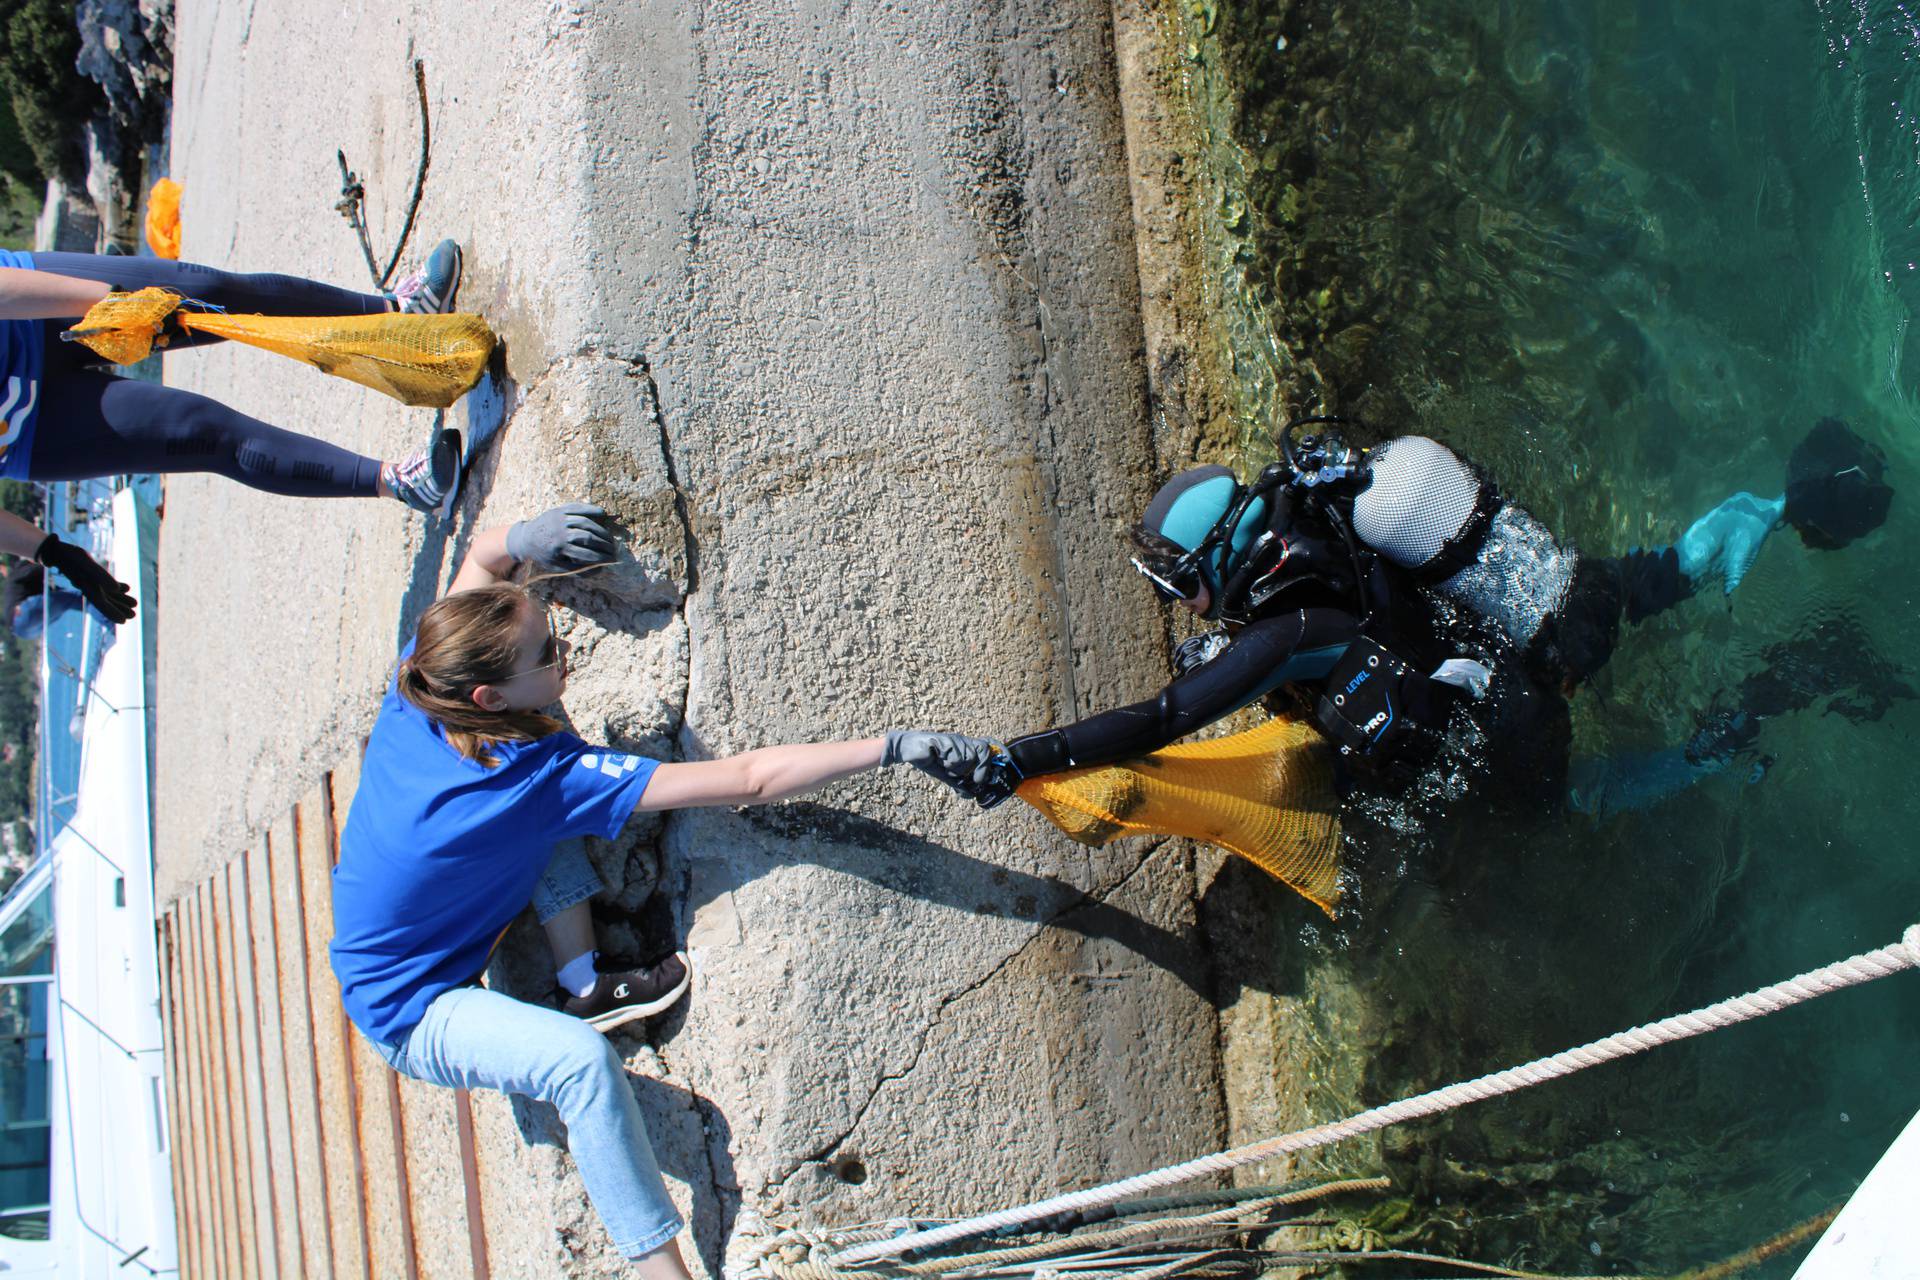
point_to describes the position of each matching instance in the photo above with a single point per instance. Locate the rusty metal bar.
(288, 1233)
(233, 1069)
(219, 1132)
(196, 1100)
(252, 1095)
(180, 1135)
(348, 1036)
(296, 1027)
(333, 1081)
(470, 1180)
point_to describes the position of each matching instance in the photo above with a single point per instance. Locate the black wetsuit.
(1525, 724)
(1297, 645)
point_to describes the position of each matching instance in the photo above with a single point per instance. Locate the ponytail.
(464, 641)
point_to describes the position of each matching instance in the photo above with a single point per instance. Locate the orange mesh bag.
(1266, 794)
(163, 218)
(123, 326)
(425, 361)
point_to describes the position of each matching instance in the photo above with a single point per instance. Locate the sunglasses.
(549, 652)
(1172, 582)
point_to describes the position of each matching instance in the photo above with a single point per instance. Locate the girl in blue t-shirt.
(64, 418)
(470, 803)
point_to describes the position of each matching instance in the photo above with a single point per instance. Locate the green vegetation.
(44, 101)
(20, 206)
(39, 42)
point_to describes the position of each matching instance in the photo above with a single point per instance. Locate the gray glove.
(965, 764)
(572, 535)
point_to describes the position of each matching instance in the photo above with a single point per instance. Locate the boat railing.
(69, 506)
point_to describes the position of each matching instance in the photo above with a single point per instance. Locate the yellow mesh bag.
(428, 361)
(122, 326)
(163, 218)
(1266, 794)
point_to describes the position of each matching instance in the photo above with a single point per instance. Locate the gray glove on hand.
(573, 535)
(965, 764)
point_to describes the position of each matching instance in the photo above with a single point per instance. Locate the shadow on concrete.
(486, 410)
(692, 1142)
(919, 868)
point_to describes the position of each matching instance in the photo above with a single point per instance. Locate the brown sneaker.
(620, 998)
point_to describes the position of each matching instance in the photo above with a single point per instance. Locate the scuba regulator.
(1375, 703)
(1310, 494)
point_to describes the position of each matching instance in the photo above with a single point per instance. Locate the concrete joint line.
(641, 369)
(825, 1153)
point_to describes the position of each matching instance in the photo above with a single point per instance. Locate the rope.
(1181, 1266)
(800, 1254)
(1766, 1249)
(1865, 967)
(353, 192)
(1136, 1230)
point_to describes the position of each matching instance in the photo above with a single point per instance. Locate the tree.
(52, 101)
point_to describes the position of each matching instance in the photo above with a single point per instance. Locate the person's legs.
(560, 904)
(92, 424)
(474, 1038)
(604, 1001)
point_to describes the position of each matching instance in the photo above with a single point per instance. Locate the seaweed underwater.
(1622, 261)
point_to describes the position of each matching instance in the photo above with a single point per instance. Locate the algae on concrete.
(1376, 205)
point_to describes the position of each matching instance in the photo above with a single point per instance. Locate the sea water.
(1624, 254)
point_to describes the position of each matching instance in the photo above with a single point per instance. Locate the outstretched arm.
(43, 295)
(20, 537)
(759, 777)
(1302, 645)
(100, 588)
(487, 561)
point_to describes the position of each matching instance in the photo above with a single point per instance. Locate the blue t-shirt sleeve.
(593, 789)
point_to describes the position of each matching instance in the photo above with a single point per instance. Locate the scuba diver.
(1378, 590)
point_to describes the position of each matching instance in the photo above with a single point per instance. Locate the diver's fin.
(1836, 486)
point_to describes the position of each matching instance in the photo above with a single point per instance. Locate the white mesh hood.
(1421, 495)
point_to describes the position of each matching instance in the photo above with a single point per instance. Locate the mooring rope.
(1865, 967)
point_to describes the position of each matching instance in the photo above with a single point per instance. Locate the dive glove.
(573, 535)
(1726, 541)
(968, 765)
(101, 589)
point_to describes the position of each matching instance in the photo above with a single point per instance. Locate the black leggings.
(92, 423)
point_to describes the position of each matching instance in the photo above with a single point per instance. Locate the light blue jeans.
(472, 1038)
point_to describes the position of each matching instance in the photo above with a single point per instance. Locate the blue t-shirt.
(440, 852)
(21, 350)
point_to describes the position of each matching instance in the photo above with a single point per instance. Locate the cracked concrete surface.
(836, 307)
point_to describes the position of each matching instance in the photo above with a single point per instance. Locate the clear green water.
(1624, 254)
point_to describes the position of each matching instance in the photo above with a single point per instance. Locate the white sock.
(578, 974)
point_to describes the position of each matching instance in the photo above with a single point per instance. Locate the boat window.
(26, 989)
(26, 945)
